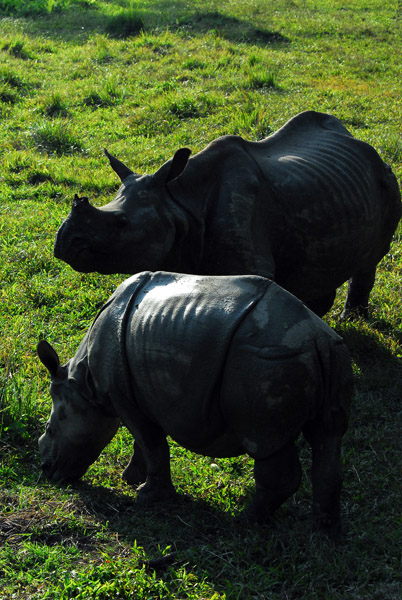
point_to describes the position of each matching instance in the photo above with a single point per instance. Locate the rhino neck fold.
(80, 373)
(187, 251)
(107, 356)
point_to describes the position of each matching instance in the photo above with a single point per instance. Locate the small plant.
(194, 64)
(7, 96)
(11, 86)
(185, 108)
(18, 50)
(55, 106)
(9, 77)
(55, 138)
(108, 96)
(264, 81)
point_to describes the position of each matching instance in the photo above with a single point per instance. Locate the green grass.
(70, 85)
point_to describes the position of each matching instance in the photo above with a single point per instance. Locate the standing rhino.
(223, 365)
(309, 207)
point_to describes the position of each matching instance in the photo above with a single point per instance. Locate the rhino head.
(76, 431)
(134, 232)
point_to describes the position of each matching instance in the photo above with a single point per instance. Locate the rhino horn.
(79, 202)
(118, 167)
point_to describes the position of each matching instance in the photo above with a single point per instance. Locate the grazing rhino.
(310, 207)
(225, 366)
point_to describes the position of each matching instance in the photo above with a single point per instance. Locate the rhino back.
(314, 163)
(178, 336)
(325, 184)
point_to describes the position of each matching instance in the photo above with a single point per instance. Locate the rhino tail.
(337, 382)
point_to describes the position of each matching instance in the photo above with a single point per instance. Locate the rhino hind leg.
(276, 479)
(359, 288)
(327, 473)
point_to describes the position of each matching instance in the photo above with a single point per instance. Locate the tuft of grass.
(55, 106)
(125, 24)
(7, 95)
(185, 108)
(54, 137)
(18, 49)
(9, 77)
(190, 106)
(108, 96)
(262, 81)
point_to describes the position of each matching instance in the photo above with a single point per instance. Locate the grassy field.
(142, 79)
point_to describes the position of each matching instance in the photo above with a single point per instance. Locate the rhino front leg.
(136, 471)
(158, 484)
(276, 479)
(150, 461)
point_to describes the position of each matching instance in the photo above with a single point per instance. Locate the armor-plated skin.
(223, 365)
(309, 207)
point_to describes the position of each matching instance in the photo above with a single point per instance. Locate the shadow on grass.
(369, 347)
(230, 28)
(74, 23)
(193, 531)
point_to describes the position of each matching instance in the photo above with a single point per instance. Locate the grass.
(70, 86)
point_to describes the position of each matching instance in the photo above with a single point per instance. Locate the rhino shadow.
(193, 529)
(230, 28)
(134, 520)
(373, 358)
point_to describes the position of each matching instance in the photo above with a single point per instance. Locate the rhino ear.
(179, 163)
(118, 167)
(48, 357)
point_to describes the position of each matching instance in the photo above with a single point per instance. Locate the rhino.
(309, 207)
(225, 366)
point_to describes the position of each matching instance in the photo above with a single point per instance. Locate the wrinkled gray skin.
(225, 366)
(310, 207)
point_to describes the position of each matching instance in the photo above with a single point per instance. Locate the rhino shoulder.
(105, 337)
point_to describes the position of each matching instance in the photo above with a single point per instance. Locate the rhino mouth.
(82, 257)
(52, 472)
(49, 468)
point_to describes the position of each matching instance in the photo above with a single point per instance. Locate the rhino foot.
(357, 312)
(133, 475)
(257, 510)
(249, 516)
(149, 494)
(136, 470)
(330, 527)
